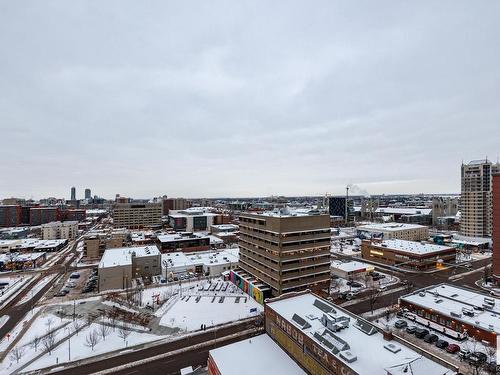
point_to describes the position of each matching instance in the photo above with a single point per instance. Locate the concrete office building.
(137, 215)
(393, 231)
(408, 254)
(118, 267)
(286, 251)
(192, 219)
(88, 194)
(58, 230)
(475, 200)
(496, 227)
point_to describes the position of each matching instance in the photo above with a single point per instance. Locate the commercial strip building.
(392, 231)
(26, 245)
(457, 310)
(325, 339)
(258, 355)
(408, 254)
(285, 251)
(496, 227)
(208, 263)
(57, 230)
(118, 267)
(21, 261)
(476, 198)
(137, 215)
(350, 270)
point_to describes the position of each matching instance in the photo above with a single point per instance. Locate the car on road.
(477, 358)
(431, 338)
(74, 275)
(453, 348)
(464, 353)
(442, 344)
(421, 333)
(411, 329)
(382, 288)
(400, 324)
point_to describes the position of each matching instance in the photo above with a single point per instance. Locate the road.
(169, 365)
(17, 312)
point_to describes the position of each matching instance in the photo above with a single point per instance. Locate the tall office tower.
(475, 201)
(286, 251)
(341, 206)
(496, 227)
(137, 215)
(73, 193)
(88, 194)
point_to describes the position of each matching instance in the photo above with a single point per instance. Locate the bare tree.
(124, 332)
(49, 323)
(36, 341)
(49, 341)
(77, 326)
(373, 294)
(103, 330)
(92, 339)
(17, 353)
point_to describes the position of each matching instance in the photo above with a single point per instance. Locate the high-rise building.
(73, 193)
(137, 215)
(442, 207)
(475, 201)
(286, 251)
(88, 194)
(496, 227)
(174, 204)
(341, 206)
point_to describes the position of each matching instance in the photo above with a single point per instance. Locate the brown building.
(10, 215)
(408, 254)
(137, 215)
(174, 204)
(496, 227)
(287, 252)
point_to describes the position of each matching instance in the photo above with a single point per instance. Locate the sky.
(245, 98)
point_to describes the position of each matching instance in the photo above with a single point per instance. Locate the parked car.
(431, 338)
(411, 329)
(355, 284)
(478, 357)
(464, 353)
(442, 344)
(400, 324)
(421, 333)
(453, 348)
(382, 288)
(60, 294)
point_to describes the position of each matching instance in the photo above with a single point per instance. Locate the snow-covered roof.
(352, 266)
(122, 256)
(180, 259)
(404, 210)
(412, 247)
(450, 300)
(226, 227)
(389, 227)
(257, 355)
(34, 243)
(355, 338)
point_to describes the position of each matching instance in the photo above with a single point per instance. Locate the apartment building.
(137, 215)
(118, 267)
(394, 231)
(97, 242)
(57, 230)
(476, 198)
(286, 251)
(43, 215)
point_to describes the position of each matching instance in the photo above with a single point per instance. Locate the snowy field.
(190, 312)
(39, 286)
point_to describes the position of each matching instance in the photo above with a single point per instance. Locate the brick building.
(496, 227)
(10, 215)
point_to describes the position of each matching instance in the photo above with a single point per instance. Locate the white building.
(212, 263)
(348, 270)
(390, 231)
(60, 230)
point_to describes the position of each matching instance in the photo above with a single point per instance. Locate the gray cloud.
(243, 99)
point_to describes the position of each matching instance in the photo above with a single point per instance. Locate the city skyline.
(240, 100)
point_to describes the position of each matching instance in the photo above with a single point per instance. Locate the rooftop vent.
(301, 322)
(365, 327)
(323, 306)
(348, 356)
(393, 348)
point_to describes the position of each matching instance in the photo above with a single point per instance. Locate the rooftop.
(258, 355)
(123, 256)
(180, 259)
(347, 336)
(351, 266)
(389, 227)
(450, 300)
(412, 247)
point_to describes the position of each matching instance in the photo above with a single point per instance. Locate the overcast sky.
(234, 98)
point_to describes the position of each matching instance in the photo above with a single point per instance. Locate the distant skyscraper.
(88, 194)
(476, 200)
(73, 193)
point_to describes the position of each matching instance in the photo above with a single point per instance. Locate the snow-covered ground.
(190, 312)
(39, 286)
(80, 347)
(16, 283)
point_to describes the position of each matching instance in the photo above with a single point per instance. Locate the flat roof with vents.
(360, 346)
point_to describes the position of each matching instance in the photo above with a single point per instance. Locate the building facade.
(394, 231)
(407, 254)
(476, 198)
(44, 215)
(58, 230)
(286, 252)
(496, 227)
(10, 215)
(341, 206)
(137, 215)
